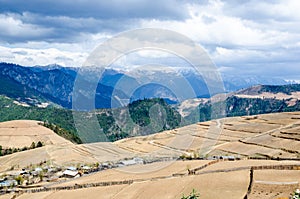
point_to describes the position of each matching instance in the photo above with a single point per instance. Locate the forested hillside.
(61, 120)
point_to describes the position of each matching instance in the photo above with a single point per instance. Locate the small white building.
(127, 162)
(8, 183)
(38, 169)
(106, 165)
(138, 160)
(131, 162)
(86, 168)
(70, 174)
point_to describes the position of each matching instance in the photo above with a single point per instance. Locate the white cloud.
(265, 33)
(31, 57)
(13, 29)
(222, 29)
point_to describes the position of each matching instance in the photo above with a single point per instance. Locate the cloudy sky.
(251, 38)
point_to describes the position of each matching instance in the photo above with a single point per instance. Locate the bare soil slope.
(270, 135)
(21, 133)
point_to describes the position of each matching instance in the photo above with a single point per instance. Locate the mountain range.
(54, 84)
(46, 94)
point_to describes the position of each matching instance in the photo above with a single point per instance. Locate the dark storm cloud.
(69, 20)
(27, 27)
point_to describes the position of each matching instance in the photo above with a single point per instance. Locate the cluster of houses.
(25, 177)
(39, 174)
(5, 182)
(225, 157)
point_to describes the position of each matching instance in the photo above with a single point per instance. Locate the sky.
(242, 37)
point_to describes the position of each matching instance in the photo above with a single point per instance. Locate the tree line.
(11, 150)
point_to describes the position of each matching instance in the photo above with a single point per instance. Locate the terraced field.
(21, 133)
(274, 184)
(219, 179)
(270, 135)
(267, 136)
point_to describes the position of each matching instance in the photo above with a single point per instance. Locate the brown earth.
(270, 135)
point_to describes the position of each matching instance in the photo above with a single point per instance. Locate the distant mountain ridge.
(259, 99)
(53, 84)
(275, 89)
(26, 88)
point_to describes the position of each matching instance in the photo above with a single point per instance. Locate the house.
(70, 174)
(230, 158)
(72, 168)
(138, 160)
(127, 162)
(106, 165)
(131, 162)
(38, 169)
(8, 183)
(86, 169)
(3, 179)
(22, 172)
(224, 157)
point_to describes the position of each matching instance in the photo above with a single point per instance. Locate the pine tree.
(32, 146)
(39, 144)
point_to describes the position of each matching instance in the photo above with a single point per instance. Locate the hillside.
(55, 149)
(275, 89)
(21, 133)
(22, 93)
(51, 84)
(61, 120)
(262, 136)
(54, 84)
(259, 137)
(211, 183)
(259, 99)
(269, 135)
(14, 110)
(115, 126)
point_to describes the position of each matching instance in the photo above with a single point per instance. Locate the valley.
(149, 99)
(227, 145)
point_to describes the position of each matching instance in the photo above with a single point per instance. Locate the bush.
(19, 180)
(193, 195)
(32, 145)
(39, 144)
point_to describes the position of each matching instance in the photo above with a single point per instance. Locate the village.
(46, 173)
